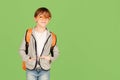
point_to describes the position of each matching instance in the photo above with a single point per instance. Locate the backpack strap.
(54, 40)
(28, 34)
(27, 38)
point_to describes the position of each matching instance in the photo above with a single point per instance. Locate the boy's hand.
(46, 57)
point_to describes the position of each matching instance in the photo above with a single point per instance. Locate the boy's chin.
(43, 26)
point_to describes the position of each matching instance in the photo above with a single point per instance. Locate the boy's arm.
(22, 50)
(50, 58)
(55, 52)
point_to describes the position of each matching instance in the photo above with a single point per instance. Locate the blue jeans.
(37, 74)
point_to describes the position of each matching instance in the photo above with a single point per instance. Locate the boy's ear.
(49, 18)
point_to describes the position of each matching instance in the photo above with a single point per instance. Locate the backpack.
(27, 40)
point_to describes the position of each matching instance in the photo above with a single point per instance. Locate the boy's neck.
(40, 29)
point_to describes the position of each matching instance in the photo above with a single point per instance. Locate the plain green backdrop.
(88, 36)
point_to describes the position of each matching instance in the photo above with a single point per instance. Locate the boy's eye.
(40, 16)
(43, 17)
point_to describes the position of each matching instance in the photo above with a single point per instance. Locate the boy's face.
(42, 20)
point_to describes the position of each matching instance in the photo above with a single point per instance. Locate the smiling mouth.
(43, 22)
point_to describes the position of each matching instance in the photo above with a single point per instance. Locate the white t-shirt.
(40, 39)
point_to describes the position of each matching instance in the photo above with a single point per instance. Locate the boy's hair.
(44, 11)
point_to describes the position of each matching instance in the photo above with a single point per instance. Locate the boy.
(38, 58)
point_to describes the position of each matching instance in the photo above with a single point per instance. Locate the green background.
(88, 33)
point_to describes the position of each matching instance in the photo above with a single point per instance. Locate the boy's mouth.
(43, 22)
